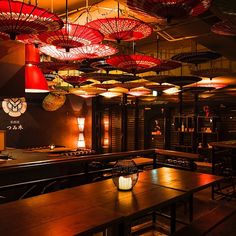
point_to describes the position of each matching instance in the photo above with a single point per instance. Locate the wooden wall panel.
(41, 128)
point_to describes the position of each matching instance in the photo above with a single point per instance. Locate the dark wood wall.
(42, 127)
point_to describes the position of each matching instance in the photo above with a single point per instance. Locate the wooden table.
(84, 209)
(182, 180)
(228, 157)
(231, 144)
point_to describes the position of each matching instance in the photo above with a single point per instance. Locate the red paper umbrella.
(48, 67)
(60, 54)
(3, 36)
(29, 39)
(121, 29)
(226, 28)
(72, 36)
(21, 18)
(74, 80)
(94, 51)
(201, 7)
(105, 77)
(170, 9)
(133, 63)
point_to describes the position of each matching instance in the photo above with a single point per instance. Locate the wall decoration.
(14, 107)
(53, 101)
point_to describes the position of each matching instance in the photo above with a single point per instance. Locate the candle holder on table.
(125, 174)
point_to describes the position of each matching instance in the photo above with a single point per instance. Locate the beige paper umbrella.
(86, 92)
(140, 91)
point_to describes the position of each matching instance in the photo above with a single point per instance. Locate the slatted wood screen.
(115, 129)
(141, 129)
(130, 129)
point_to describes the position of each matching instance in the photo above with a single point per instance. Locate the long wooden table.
(88, 208)
(84, 209)
(186, 181)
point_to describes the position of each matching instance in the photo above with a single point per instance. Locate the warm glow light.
(110, 94)
(125, 183)
(106, 133)
(81, 141)
(154, 93)
(106, 125)
(81, 121)
(171, 91)
(139, 91)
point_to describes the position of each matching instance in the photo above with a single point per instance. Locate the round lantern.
(53, 101)
(125, 174)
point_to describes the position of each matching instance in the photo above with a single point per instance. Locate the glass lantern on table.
(125, 174)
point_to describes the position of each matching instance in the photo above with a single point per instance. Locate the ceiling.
(174, 36)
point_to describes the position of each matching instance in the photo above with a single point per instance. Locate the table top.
(95, 204)
(224, 144)
(182, 180)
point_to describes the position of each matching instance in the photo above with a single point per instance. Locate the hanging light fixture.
(20, 18)
(133, 63)
(35, 81)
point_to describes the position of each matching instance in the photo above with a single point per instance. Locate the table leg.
(172, 218)
(124, 229)
(191, 208)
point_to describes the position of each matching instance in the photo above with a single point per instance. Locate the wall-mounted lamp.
(81, 121)
(81, 140)
(106, 133)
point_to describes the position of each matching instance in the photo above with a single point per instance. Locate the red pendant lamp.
(20, 18)
(35, 81)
